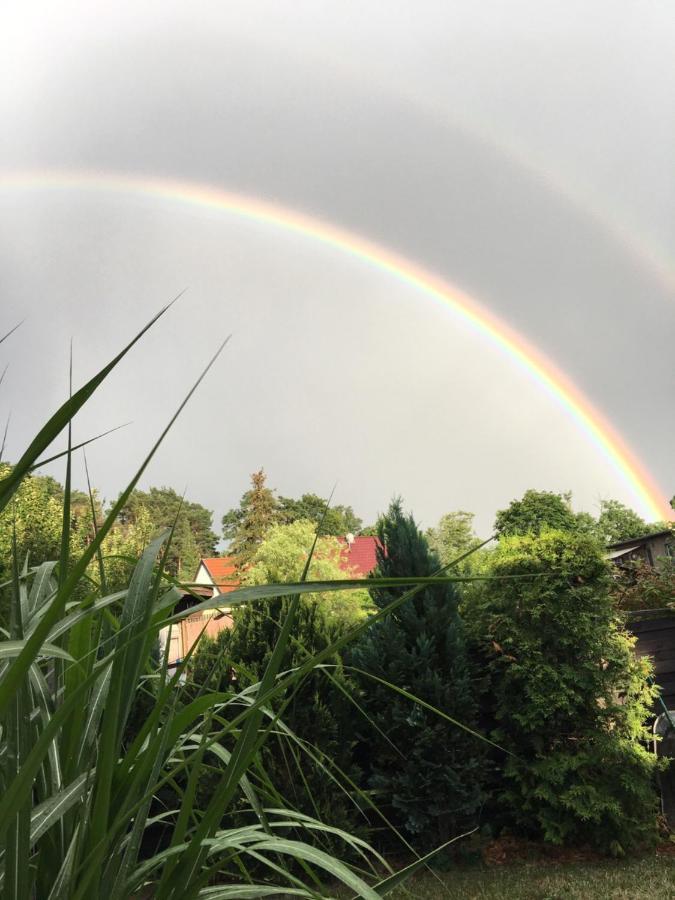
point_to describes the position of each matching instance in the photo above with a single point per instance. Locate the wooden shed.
(655, 633)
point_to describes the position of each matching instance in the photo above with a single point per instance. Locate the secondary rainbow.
(499, 333)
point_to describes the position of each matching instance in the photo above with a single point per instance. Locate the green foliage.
(261, 502)
(424, 771)
(35, 516)
(637, 585)
(82, 802)
(569, 696)
(617, 522)
(246, 527)
(193, 537)
(336, 520)
(281, 557)
(305, 760)
(535, 512)
(453, 537)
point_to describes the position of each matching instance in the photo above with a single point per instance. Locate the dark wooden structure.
(655, 633)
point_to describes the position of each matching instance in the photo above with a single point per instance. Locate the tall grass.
(90, 809)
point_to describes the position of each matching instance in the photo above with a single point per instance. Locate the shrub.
(307, 772)
(569, 698)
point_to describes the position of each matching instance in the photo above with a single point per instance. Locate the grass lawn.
(652, 877)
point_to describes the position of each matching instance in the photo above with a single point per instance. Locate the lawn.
(652, 877)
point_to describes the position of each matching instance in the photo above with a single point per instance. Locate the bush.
(318, 713)
(424, 771)
(568, 696)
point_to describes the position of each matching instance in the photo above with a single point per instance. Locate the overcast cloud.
(524, 151)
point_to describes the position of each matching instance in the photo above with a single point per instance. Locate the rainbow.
(508, 341)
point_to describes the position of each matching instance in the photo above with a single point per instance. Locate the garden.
(470, 720)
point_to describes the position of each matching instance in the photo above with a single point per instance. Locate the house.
(643, 549)
(215, 576)
(217, 573)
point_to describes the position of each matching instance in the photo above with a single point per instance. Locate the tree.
(569, 698)
(423, 770)
(258, 511)
(319, 712)
(453, 536)
(282, 555)
(617, 522)
(193, 536)
(536, 511)
(336, 520)
(36, 516)
(122, 547)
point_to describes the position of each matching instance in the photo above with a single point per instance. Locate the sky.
(522, 152)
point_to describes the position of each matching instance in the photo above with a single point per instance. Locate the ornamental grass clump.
(99, 802)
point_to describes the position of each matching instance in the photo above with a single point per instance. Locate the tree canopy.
(193, 535)
(282, 555)
(337, 520)
(260, 508)
(617, 522)
(453, 536)
(535, 512)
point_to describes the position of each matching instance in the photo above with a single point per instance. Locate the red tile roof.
(222, 571)
(360, 555)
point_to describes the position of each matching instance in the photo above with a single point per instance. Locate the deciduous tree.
(536, 511)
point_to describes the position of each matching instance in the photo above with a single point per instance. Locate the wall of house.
(203, 577)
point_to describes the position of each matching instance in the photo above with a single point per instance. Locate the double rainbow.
(541, 369)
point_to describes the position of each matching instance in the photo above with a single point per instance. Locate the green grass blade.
(12, 649)
(52, 810)
(19, 667)
(80, 446)
(398, 878)
(60, 419)
(64, 555)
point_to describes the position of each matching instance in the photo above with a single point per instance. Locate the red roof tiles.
(360, 554)
(222, 571)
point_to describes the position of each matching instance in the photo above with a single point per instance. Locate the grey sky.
(524, 151)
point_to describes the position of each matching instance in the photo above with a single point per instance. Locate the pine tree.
(258, 513)
(424, 771)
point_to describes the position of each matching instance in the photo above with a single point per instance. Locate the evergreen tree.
(424, 771)
(259, 511)
(569, 697)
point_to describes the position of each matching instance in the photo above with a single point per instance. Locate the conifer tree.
(569, 697)
(423, 770)
(258, 512)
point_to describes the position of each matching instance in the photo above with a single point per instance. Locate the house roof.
(221, 570)
(360, 555)
(622, 551)
(640, 541)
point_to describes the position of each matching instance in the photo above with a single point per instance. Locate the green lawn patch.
(653, 877)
